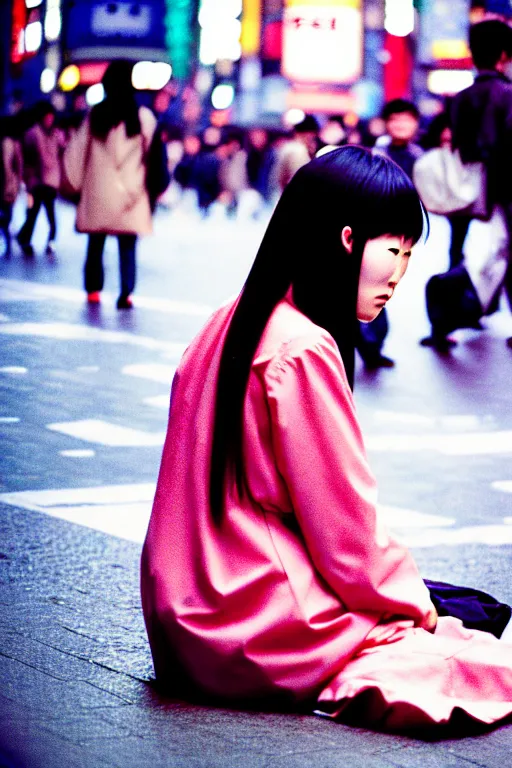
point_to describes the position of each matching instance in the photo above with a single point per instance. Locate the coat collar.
(491, 74)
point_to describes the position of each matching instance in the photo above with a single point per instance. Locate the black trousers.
(371, 336)
(459, 226)
(5, 222)
(94, 275)
(43, 196)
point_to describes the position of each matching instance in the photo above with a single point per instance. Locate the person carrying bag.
(106, 161)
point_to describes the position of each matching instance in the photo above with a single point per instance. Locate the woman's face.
(384, 263)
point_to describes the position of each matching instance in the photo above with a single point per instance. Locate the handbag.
(446, 185)
(158, 176)
(486, 254)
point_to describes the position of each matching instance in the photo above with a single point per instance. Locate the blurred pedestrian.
(481, 122)
(11, 174)
(401, 118)
(439, 136)
(185, 174)
(267, 571)
(333, 133)
(42, 151)
(205, 170)
(233, 169)
(481, 131)
(260, 160)
(299, 150)
(107, 162)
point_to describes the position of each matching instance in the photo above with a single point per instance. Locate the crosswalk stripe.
(20, 290)
(153, 371)
(124, 510)
(464, 444)
(75, 332)
(105, 433)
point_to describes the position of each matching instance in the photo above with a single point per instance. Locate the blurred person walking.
(439, 136)
(233, 170)
(42, 150)
(481, 125)
(261, 157)
(205, 170)
(107, 162)
(11, 174)
(481, 118)
(298, 150)
(401, 119)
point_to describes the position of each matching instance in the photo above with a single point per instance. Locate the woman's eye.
(396, 251)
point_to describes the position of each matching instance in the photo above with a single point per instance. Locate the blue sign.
(441, 20)
(499, 6)
(122, 25)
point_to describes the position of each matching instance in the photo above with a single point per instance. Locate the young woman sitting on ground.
(267, 572)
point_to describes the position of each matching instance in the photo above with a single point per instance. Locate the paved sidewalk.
(75, 675)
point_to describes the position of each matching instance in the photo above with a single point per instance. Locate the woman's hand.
(429, 621)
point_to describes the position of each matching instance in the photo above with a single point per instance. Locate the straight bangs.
(376, 197)
(395, 208)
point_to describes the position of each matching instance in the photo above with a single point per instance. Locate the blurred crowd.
(238, 170)
(118, 162)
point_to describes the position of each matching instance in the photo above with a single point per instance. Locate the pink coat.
(300, 592)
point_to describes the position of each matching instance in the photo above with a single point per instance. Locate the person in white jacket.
(106, 162)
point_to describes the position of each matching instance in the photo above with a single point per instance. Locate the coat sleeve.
(75, 156)
(320, 454)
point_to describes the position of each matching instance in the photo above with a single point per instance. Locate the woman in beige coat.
(106, 162)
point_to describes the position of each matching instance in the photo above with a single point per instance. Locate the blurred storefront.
(30, 50)
(241, 61)
(332, 56)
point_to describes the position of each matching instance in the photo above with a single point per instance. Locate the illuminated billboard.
(323, 41)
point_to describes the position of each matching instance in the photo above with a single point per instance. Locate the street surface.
(83, 414)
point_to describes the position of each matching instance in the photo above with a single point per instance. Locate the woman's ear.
(347, 239)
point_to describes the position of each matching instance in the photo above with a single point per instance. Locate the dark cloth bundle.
(452, 302)
(476, 609)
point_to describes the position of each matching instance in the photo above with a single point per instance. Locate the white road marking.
(72, 332)
(397, 517)
(466, 444)
(154, 372)
(4, 318)
(159, 401)
(13, 369)
(88, 368)
(394, 417)
(9, 419)
(78, 453)
(491, 535)
(118, 510)
(124, 511)
(19, 290)
(502, 485)
(104, 433)
(460, 422)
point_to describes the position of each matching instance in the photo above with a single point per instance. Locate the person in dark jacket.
(402, 120)
(481, 119)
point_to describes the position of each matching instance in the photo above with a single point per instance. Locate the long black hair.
(119, 105)
(302, 248)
